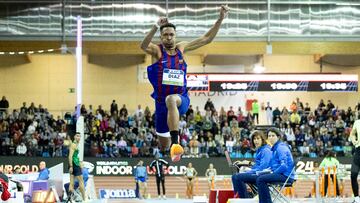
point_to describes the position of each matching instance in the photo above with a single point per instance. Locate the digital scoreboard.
(273, 82)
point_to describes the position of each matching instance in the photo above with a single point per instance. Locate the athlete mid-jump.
(168, 77)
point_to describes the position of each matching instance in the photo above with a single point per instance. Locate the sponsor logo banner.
(117, 193)
(125, 166)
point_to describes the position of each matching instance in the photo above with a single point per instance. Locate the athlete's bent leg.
(172, 104)
(162, 129)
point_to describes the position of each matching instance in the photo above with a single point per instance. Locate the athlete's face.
(272, 138)
(77, 137)
(168, 36)
(257, 141)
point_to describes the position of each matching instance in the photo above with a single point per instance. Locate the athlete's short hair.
(167, 25)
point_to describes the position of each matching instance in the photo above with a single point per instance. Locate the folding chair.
(236, 167)
(277, 193)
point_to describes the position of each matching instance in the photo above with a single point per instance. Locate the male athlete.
(355, 166)
(168, 78)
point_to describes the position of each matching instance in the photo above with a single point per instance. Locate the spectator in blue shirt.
(44, 172)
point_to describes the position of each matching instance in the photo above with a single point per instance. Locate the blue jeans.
(239, 181)
(262, 185)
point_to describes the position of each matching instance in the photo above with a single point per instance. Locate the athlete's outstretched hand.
(162, 21)
(223, 11)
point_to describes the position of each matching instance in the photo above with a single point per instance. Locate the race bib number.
(173, 77)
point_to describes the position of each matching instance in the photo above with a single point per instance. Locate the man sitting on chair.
(281, 166)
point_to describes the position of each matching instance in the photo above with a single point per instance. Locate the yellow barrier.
(322, 185)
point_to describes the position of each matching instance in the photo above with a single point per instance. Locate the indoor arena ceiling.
(111, 20)
(116, 27)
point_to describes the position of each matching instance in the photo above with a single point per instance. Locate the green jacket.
(329, 162)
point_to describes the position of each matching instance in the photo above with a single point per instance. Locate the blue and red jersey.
(168, 75)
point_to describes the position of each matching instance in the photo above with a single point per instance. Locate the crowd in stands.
(33, 131)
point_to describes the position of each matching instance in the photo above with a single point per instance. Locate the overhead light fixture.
(259, 67)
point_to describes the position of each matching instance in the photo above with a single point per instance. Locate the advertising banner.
(125, 166)
(117, 193)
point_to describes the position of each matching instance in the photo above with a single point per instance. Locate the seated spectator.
(113, 141)
(112, 150)
(45, 151)
(207, 124)
(337, 139)
(304, 150)
(237, 146)
(289, 134)
(184, 139)
(299, 137)
(229, 145)
(226, 130)
(245, 145)
(134, 151)
(43, 172)
(94, 151)
(328, 146)
(202, 146)
(211, 147)
(194, 145)
(294, 150)
(348, 149)
(21, 149)
(121, 144)
(219, 139)
(145, 151)
(339, 124)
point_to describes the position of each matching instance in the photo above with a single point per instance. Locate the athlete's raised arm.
(146, 45)
(208, 37)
